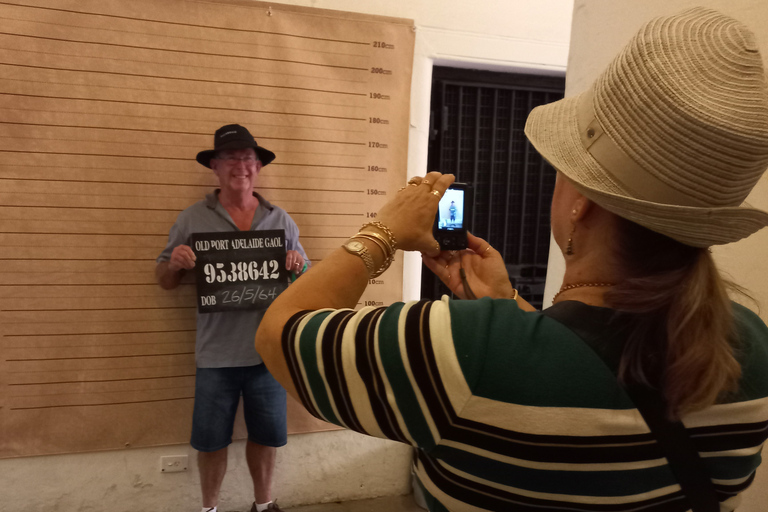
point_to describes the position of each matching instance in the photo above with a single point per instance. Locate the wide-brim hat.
(234, 136)
(673, 135)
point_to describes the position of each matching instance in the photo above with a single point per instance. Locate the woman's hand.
(411, 212)
(485, 270)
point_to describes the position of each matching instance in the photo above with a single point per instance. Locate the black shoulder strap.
(684, 460)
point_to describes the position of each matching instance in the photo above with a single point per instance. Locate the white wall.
(600, 30)
(511, 35)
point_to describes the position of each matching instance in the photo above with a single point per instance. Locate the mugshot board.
(103, 107)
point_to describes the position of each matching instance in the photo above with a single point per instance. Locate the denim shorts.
(217, 394)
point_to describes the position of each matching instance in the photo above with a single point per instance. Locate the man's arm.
(296, 257)
(169, 273)
(167, 278)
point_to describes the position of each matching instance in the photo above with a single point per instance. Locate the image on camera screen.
(451, 210)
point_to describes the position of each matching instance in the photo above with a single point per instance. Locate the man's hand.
(169, 273)
(182, 258)
(294, 262)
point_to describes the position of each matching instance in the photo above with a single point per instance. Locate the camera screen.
(451, 210)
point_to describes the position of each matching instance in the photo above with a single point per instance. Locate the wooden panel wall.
(103, 106)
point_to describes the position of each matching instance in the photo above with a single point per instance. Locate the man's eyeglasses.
(234, 160)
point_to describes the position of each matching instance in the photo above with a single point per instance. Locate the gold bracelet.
(377, 240)
(515, 295)
(388, 250)
(391, 241)
(389, 257)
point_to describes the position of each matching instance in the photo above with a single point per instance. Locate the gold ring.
(435, 192)
(487, 249)
(401, 188)
(425, 182)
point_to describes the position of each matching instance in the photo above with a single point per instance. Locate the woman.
(570, 409)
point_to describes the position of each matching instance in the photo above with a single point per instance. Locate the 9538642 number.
(241, 271)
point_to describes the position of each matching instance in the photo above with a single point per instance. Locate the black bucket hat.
(234, 136)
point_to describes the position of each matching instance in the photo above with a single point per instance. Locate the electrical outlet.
(173, 463)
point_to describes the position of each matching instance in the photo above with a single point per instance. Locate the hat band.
(633, 178)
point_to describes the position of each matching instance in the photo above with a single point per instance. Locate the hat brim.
(265, 155)
(554, 132)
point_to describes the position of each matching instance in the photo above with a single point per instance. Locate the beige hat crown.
(673, 134)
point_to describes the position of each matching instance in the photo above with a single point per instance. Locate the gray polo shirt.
(226, 339)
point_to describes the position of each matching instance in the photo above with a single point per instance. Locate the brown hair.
(681, 338)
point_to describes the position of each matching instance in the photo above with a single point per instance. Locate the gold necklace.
(567, 287)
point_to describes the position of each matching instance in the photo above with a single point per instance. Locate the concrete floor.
(388, 504)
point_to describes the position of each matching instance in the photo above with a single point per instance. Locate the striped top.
(511, 411)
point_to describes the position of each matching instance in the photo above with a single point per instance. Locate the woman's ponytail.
(681, 340)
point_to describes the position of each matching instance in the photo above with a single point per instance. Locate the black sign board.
(239, 270)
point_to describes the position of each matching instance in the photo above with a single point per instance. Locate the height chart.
(103, 106)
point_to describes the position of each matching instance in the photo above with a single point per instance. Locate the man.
(227, 363)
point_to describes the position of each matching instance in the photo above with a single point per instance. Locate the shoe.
(272, 507)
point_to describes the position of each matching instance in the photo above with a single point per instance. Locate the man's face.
(236, 169)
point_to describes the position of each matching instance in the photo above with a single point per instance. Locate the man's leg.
(213, 467)
(264, 408)
(261, 463)
(217, 394)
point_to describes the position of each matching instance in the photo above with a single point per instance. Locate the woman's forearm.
(336, 282)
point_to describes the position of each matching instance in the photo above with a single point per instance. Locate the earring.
(569, 247)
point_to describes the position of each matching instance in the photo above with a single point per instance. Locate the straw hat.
(674, 134)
